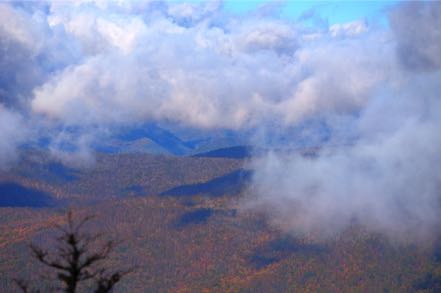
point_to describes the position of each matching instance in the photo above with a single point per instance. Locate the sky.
(77, 72)
(332, 12)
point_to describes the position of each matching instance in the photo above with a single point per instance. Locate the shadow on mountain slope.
(199, 216)
(16, 195)
(279, 249)
(231, 184)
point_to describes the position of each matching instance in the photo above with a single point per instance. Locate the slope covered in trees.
(200, 242)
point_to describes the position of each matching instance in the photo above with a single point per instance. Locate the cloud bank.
(74, 71)
(387, 179)
(192, 64)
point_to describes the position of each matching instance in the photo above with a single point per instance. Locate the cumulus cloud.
(238, 73)
(348, 29)
(187, 14)
(272, 36)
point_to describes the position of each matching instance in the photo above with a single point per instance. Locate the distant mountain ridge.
(234, 152)
(162, 137)
(155, 139)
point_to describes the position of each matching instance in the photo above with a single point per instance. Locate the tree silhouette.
(77, 258)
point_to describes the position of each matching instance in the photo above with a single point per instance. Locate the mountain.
(234, 152)
(16, 195)
(160, 136)
(184, 228)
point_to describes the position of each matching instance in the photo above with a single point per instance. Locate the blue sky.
(331, 11)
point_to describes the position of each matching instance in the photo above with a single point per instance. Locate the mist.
(386, 178)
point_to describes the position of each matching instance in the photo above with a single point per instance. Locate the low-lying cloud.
(387, 179)
(12, 134)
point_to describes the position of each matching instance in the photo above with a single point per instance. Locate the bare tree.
(77, 258)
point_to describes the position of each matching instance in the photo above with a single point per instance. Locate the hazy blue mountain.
(16, 195)
(235, 152)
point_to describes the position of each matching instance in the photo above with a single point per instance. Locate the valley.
(182, 224)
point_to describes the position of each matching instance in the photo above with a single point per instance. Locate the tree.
(77, 258)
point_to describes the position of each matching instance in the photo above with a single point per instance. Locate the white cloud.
(12, 134)
(350, 29)
(237, 75)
